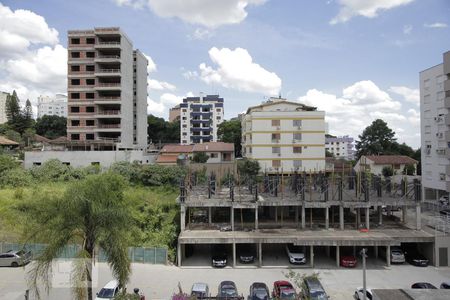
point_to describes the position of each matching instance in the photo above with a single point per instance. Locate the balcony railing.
(109, 112)
(109, 56)
(108, 98)
(108, 43)
(109, 126)
(108, 84)
(108, 71)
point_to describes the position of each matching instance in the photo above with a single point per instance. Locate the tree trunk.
(89, 248)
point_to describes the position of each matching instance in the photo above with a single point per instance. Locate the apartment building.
(435, 129)
(174, 113)
(107, 90)
(200, 118)
(284, 136)
(52, 106)
(341, 147)
(3, 117)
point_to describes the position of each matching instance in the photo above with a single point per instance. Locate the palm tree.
(93, 214)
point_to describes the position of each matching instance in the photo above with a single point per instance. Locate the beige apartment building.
(107, 91)
(3, 117)
(284, 136)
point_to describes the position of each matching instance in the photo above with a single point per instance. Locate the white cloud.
(151, 67)
(166, 101)
(190, 74)
(436, 25)
(201, 34)
(154, 84)
(236, 70)
(154, 108)
(366, 8)
(209, 13)
(407, 29)
(410, 95)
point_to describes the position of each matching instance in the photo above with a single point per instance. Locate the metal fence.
(136, 254)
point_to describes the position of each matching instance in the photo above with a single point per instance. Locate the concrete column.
(312, 256)
(332, 216)
(260, 254)
(234, 254)
(232, 219)
(368, 217)
(179, 255)
(354, 251)
(418, 217)
(183, 218)
(209, 215)
(276, 214)
(376, 251)
(358, 217)
(404, 214)
(282, 214)
(327, 217)
(338, 257)
(303, 217)
(380, 215)
(388, 255)
(296, 216)
(256, 218)
(327, 250)
(310, 217)
(341, 217)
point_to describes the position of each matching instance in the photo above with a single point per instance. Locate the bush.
(155, 175)
(7, 162)
(16, 177)
(387, 171)
(248, 168)
(52, 170)
(409, 170)
(200, 157)
(129, 171)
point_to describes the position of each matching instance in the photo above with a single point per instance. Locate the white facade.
(341, 147)
(52, 106)
(3, 117)
(284, 136)
(435, 129)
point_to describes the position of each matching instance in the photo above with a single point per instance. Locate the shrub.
(16, 177)
(155, 175)
(129, 171)
(409, 170)
(387, 171)
(52, 170)
(200, 157)
(7, 162)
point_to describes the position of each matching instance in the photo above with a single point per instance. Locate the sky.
(357, 60)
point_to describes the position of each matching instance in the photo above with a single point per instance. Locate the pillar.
(310, 217)
(296, 216)
(312, 256)
(368, 217)
(327, 218)
(232, 218)
(332, 216)
(338, 257)
(418, 217)
(380, 215)
(303, 217)
(256, 218)
(276, 214)
(404, 214)
(327, 249)
(341, 217)
(282, 214)
(179, 254)
(209, 215)
(234, 254)
(388, 255)
(182, 218)
(260, 254)
(376, 251)
(358, 217)
(354, 251)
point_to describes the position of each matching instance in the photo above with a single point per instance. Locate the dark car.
(227, 289)
(423, 285)
(219, 257)
(259, 291)
(417, 259)
(445, 212)
(348, 261)
(283, 290)
(246, 254)
(445, 285)
(313, 289)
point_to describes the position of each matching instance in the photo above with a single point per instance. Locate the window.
(90, 109)
(297, 123)
(90, 54)
(90, 40)
(90, 81)
(89, 136)
(218, 118)
(297, 149)
(75, 68)
(275, 122)
(184, 118)
(184, 142)
(276, 163)
(90, 123)
(75, 95)
(90, 68)
(276, 150)
(298, 137)
(75, 81)
(184, 134)
(184, 126)
(214, 155)
(297, 164)
(90, 95)
(442, 176)
(276, 137)
(75, 54)
(75, 137)
(75, 109)
(75, 41)
(249, 149)
(396, 166)
(218, 109)
(75, 123)
(183, 110)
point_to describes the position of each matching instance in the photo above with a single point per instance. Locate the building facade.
(341, 147)
(375, 164)
(107, 90)
(284, 136)
(200, 118)
(52, 106)
(3, 117)
(174, 113)
(435, 129)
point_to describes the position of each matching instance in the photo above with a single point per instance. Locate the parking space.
(247, 255)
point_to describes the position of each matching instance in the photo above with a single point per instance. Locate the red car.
(283, 290)
(348, 261)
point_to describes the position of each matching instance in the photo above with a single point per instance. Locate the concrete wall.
(127, 93)
(141, 100)
(87, 158)
(442, 242)
(220, 169)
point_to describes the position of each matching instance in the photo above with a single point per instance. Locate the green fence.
(136, 254)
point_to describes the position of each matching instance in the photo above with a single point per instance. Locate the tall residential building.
(200, 117)
(284, 136)
(107, 90)
(341, 147)
(435, 129)
(3, 117)
(174, 113)
(52, 106)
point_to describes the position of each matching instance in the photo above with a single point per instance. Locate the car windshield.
(397, 252)
(106, 293)
(295, 249)
(20, 252)
(318, 295)
(287, 294)
(261, 294)
(229, 290)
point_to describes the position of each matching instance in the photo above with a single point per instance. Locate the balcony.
(107, 72)
(108, 113)
(107, 100)
(107, 58)
(447, 102)
(107, 45)
(108, 128)
(108, 86)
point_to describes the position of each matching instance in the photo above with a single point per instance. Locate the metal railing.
(108, 43)
(109, 112)
(108, 84)
(108, 56)
(108, 71)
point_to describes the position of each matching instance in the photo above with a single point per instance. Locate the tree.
(159, 130)
(248, 168)
(328, 153)
(12, 107)
(387, 171)
(51, 127)
(230, 132)
(200, 157)
(28, 115)
(92, 213)
(409, 170)
(376, 139)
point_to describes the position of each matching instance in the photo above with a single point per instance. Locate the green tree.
(92, 213)
(27, 115)
(51, 126)
(159, 130)
(7, 162)
(328, 153)
(409, 170)
(13, 135)
(376, 139)
(13, 107)
(200, 157)
(387, 171)
(248, 168)
(230, 132)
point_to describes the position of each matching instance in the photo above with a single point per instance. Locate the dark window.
(75, 68)
(90, 81)
(35, 164)
(66, 163)
(75, 54)
(75, 95)
(90, 95)
(89, 136)
(89, 109)
(75, 109)
(75, 81)
(90, 41)
(75, 41)
(95, 163)
(90, 54)
(90, 68)
(75, 137)
(90, 123)
(75, 122)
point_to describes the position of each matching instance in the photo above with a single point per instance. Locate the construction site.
(327, 215)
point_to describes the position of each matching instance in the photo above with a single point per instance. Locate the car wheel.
(14, 265)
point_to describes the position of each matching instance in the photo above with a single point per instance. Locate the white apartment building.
(435, 129)
(341, 147)
(52, 106)
(284, 136)
(200, 118)
(3, 117)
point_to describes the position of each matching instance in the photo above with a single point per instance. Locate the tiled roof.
(177, 148)
(7, 142)
(214, 147)
(391, 159)
(40, 138)
(167, 159)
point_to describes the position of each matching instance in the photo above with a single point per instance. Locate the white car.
(295, 254)
(109, 291)
(359, 293)
(200, 290)
(443, 200)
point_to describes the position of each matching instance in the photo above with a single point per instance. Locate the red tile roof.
(177, 148)
(391, 159)
(40, 138)
(214, 147)
(167, 159)
(7, 142)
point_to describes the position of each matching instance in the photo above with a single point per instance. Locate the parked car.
(227, 289)
(415, 258)
(423, 285)
(348, 261)
(109, 291)
(15, 258)
(219, 257)
(259, 291)
(445, 285)
(445, 212)
(397, 255)
(200, 290)
(283, 290)
(313, 289)
(359, 294)
(295, 254)
(247, 254)
(443, 200)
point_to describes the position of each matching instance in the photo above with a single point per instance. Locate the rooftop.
(391, 159)
(214, 147)
(7, 142)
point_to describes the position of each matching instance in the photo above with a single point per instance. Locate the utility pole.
(364, 256)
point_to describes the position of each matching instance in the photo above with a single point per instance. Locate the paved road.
(160, 282)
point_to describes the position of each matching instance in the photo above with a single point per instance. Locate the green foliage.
(7, 162)
(52, 170)
(387, 171)
(159, 130)
(200, 157)
(126, 296)
(51, 127)
(230, 132)
(13, 135)
(376, 139)
(328, 153)
(409, 170)
(16, 177)
(129, 171)
(156, 175)
(298, 279)
(248, 168)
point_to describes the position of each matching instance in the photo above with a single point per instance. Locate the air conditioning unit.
(299, 127)
(278, 127)
(278, 154)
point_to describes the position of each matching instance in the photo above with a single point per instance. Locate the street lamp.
(364, 256)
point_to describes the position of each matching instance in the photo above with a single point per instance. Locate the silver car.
(15, 258)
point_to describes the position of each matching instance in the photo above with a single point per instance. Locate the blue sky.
(357, 60)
